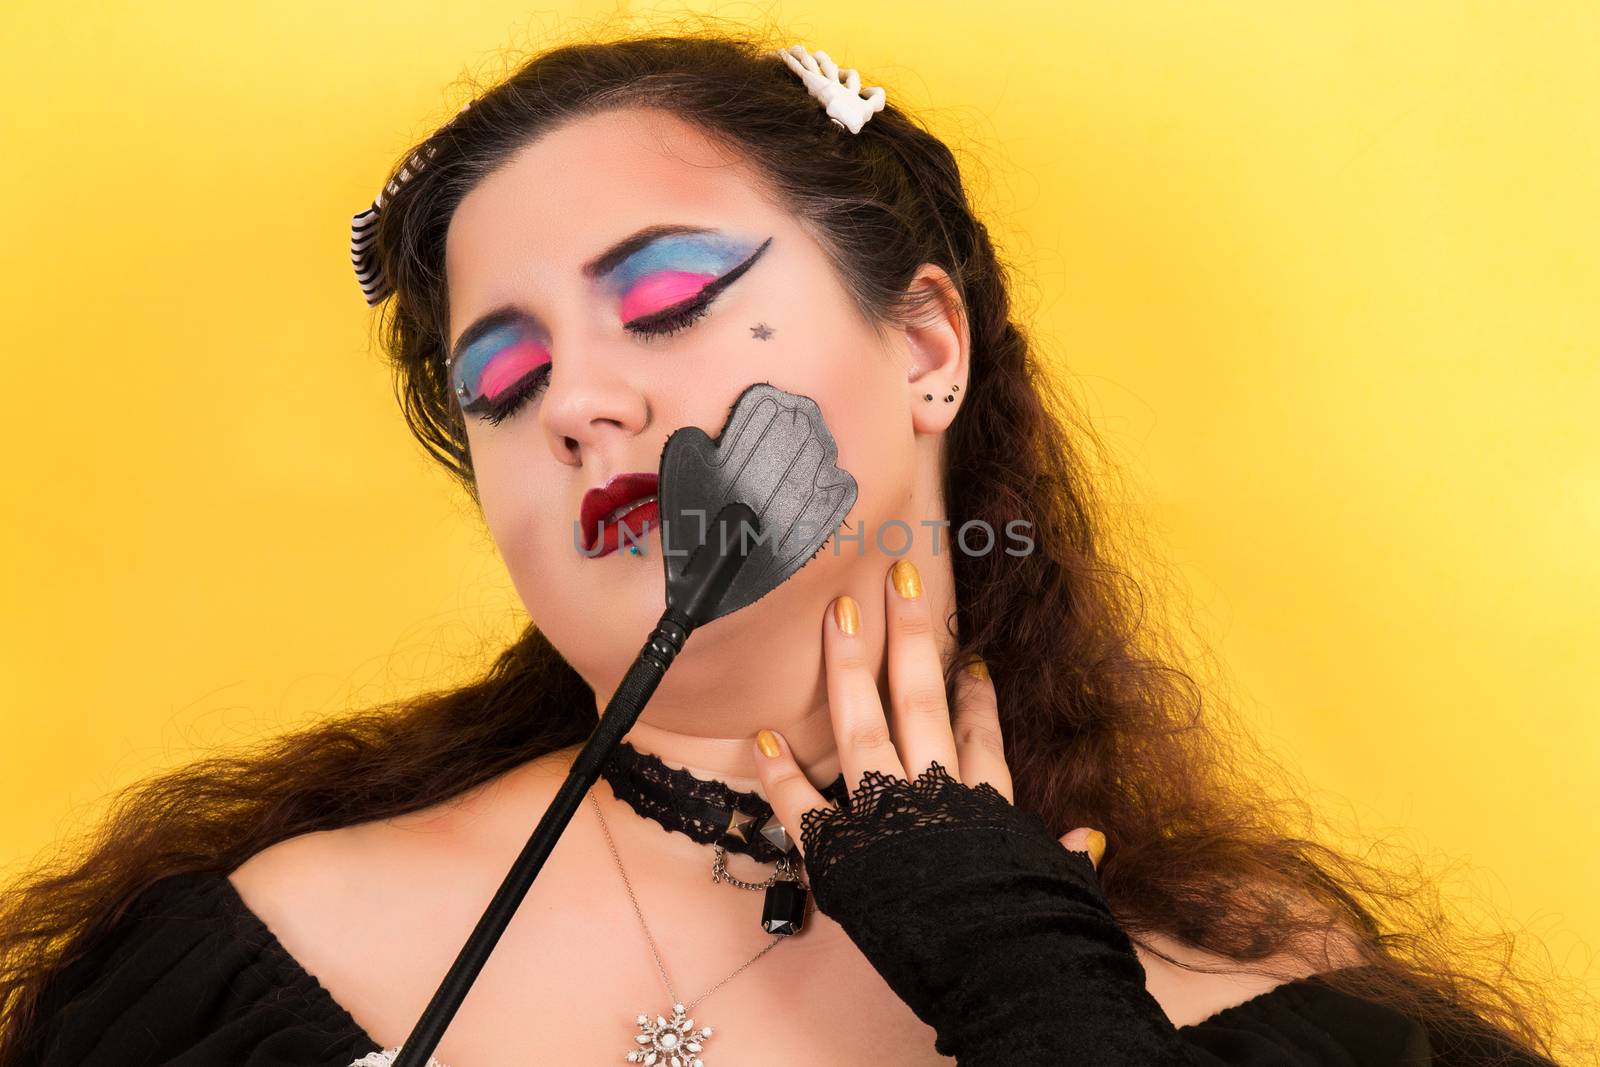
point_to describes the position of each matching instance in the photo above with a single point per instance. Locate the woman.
(607, 246)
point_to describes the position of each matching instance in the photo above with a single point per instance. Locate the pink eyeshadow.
(661, 290)
(509, 366)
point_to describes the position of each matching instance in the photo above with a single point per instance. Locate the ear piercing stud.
(948, 397)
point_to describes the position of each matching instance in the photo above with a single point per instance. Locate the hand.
(841, 99)
(967, 744)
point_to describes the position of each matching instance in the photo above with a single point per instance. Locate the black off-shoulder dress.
(1009, 952)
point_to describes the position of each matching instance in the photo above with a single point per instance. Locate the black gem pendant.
(784, 910)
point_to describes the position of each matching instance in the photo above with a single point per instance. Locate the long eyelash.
(531, 387)
(666, 323)
(674, 319)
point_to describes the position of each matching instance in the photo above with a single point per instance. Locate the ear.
(937, 347)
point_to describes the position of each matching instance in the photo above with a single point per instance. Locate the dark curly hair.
(1209, 841)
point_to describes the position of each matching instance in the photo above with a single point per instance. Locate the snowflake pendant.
(670, 1042)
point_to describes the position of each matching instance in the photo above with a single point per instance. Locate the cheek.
(520, 512)
(863, 398)
(556, 586)
(877, 446)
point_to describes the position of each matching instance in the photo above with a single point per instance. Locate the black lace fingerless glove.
(992, 932)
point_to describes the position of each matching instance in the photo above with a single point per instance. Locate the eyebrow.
(603, 264)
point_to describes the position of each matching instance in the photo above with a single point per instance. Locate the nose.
(590, 404)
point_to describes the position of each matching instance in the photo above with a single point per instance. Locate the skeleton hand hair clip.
(842, 99)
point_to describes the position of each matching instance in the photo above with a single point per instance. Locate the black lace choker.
(704, 810)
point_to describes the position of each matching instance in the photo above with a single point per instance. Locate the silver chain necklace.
(675, 1042)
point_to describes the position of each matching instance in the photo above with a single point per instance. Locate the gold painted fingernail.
(1096, 846)
(978, 669)
(907, 582)
(846, 614)
(768, 744)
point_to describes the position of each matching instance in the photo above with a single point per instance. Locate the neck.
(728, 683)
(703, 718)
(728, 759)
(697, 721)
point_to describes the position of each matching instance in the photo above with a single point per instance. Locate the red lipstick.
(627, 499)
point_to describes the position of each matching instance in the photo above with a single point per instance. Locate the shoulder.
(338, 900)
(345, 901)
(313, 874)
(1200, 984)
(184, 971)
(1192, 984)
(303, 887)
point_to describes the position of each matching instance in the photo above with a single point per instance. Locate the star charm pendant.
(669, 1042)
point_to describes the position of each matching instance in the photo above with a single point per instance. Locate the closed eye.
(671, 320)
(657, 324)
(525, 390)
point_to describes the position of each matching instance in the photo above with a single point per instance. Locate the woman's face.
(596, 395)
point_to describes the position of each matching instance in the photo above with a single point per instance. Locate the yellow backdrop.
(1325, 274)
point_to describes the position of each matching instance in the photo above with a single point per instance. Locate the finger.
(829, 68)
(800, 64)
(921, 716)
(1084, 839)
(860, 730)
(799, 61)
(980, 747)
(784, 785)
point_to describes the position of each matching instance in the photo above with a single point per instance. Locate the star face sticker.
(761, 331)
